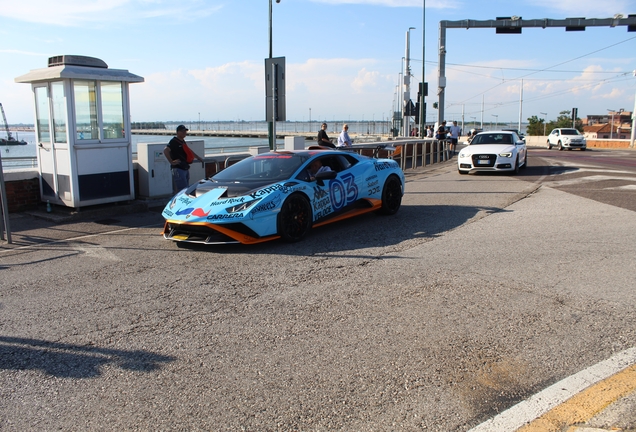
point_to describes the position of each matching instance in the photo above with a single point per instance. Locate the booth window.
(112, 109)
(86, 110)
(42, 114)
(59, 111)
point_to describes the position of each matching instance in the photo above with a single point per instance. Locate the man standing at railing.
(455, 132)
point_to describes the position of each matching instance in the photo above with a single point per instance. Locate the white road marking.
(97, 252)
(589, 179)
(542, 402)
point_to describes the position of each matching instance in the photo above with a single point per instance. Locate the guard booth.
(82, 128)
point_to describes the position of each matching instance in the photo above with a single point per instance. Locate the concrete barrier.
(540, 141)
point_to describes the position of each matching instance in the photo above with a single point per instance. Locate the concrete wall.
(540, 141)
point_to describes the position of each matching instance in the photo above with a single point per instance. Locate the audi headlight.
(242, 206)
(506, 154)
(464, 155)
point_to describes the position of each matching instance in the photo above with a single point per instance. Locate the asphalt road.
(481, 291)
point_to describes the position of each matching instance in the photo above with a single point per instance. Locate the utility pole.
(423, 96)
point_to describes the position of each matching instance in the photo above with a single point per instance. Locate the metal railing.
(415, 153)
(17, 163)
(410, 154)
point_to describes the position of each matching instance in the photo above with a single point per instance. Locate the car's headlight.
(464, 155)
(506, 154)
(242, 206)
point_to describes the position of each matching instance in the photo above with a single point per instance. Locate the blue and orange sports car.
(283, 194)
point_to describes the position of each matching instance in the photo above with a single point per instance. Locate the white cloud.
(330, 87)
(81, 13)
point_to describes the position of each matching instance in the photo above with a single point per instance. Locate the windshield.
(569, 132)
(273, 166)
(492, 138)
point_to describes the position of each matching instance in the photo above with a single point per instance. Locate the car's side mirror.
(325, 175)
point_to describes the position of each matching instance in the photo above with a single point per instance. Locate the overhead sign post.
(513, 25)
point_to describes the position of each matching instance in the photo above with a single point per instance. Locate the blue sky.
(205, 58)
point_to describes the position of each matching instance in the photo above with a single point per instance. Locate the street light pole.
(612, 125)
(544, 121)
(422, 100)
(496, 116)
(631, 143)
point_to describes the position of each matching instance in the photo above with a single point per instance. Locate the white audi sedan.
(493, 151)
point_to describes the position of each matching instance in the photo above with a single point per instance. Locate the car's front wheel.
(391, 196)
(548, 145)
(294, 219)
(516, 168)
(560, 146)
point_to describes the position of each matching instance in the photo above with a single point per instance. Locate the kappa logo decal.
(185, 211)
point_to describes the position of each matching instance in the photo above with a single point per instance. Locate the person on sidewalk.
(177, 157)
(455, 132)
(343, 139)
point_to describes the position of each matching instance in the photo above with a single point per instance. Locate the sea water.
(14, 156)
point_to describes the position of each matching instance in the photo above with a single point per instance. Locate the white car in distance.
(493, 151)
(568, 138)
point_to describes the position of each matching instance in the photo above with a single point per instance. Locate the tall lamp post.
(406, 102)
(496, 116)
(631, 141)
(544, 121)
(270, 122)
(422, 100)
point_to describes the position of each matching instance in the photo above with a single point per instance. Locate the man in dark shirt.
(178, 159)
(323, 139)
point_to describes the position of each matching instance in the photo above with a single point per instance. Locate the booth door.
(45, 154)
(52, 141)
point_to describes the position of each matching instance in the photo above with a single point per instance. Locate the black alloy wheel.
(294, 219)
(391, 196)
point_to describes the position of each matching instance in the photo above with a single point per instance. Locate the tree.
(565, 121)
(535, 126)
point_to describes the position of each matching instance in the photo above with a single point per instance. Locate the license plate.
(483, 162)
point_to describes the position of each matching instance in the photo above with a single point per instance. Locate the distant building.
(614, 125)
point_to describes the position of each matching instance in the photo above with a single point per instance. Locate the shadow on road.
(412, 222)
(72, 361)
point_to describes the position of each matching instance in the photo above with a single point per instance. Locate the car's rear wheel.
(548, 145)
(560, 146)
(391, 196)
(294, 219)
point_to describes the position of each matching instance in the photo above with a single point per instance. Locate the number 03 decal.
(343, 191)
